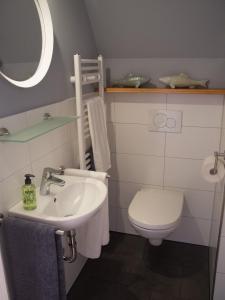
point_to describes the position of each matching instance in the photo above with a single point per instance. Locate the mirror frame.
(47, 47)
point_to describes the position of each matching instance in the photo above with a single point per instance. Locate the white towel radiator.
(87, 73)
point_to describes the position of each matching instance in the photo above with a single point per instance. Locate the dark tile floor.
(131, 269)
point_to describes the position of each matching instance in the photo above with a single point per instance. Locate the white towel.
(98, 131)
(94, 234)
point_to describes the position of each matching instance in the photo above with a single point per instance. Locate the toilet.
(156, 213)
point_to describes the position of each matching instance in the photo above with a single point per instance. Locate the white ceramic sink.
(66, 207)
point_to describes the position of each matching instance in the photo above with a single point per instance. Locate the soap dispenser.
(29, 193)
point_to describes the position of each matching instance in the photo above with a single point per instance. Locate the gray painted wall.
(73, 34)
(158, 28)
(19, 42)
(20, 49)
(160, 38)
(199, 68)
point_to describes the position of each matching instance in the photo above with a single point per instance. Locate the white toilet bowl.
(156, 213)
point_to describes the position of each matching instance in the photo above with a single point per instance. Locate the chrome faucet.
(48, 179)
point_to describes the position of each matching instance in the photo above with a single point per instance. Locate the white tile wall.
(11, 188)
(53, 139)
(121, 193)
(133, 108)
(111, 133)
(58, 147)
(185, 173)
(112, 218)
(222, 144)
(198, 204)
(110, 108)
(164, 160)
(193, 142)
(223, 118)
(223, 227)
(53, 149)
(123, 224)
(13, 156)
(138, 168)
(192, 230)
(137, 139)
(198, 110)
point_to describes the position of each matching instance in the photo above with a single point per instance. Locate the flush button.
(165, 121)
(171, 123)
(160, 120)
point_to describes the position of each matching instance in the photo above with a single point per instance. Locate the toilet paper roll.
(208, 165)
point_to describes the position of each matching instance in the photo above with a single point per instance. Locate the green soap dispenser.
(29, 193)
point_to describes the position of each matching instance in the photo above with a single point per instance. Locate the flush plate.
(165, 121)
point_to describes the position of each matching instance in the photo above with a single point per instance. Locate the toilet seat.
(156, 209)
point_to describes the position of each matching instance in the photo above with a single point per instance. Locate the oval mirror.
(26, 42)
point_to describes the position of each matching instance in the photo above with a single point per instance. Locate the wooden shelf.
(166, 91)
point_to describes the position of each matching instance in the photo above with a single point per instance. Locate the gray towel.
(35, 258)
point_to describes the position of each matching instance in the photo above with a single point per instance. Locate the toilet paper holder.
(217, 155)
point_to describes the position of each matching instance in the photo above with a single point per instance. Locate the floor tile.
(131, 269)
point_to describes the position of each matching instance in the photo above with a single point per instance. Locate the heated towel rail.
(87, 72)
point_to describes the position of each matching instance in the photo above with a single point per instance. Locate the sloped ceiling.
(158, 28)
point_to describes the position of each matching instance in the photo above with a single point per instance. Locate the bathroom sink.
(66, 207)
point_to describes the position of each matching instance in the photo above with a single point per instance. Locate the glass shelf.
(37, 130)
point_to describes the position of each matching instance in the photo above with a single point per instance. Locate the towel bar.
(59, 232)
(71, 240)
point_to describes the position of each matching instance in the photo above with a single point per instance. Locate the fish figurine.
(131, 80)
(183, 81)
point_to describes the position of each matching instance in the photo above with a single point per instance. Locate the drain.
(67, 216)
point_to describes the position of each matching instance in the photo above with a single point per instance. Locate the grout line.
(160, 186)
(203, 127)
(137, 154)
(182, 216)
(220, 273)
(68, 142)
(221, 125)
(199, 218)
(164, 160)
(189, 158)
(29, 164)
(29, 147)
(113, 112)
(164, 152)
(159, 156)
(146, 124)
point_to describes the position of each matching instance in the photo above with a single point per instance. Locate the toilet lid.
(156, 209)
